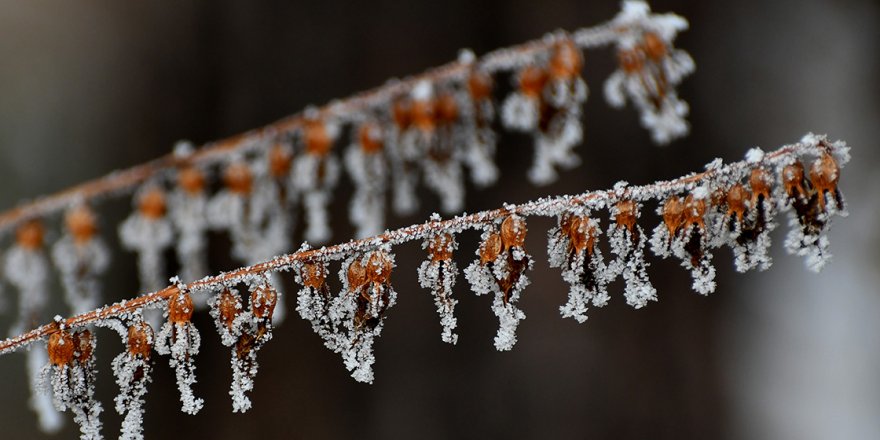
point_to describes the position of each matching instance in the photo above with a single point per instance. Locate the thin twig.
(550, 206)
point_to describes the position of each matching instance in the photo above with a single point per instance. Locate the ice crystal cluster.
(434, 130)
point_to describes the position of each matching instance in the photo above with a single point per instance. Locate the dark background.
(87, 87)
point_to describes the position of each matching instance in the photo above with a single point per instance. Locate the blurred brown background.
(87, 87)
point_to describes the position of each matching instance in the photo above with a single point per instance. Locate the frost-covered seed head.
(440, 247)
(180, 308)
(673, 214)
(85, 345)
(229, 306)
(479, 85)
(736, 201)
(531, 81)
(379, 267)
(567, 61)
(793, 178)
(653, 46)
(695, 211)
(191, 180)
(630, 60)
(30, 235)
(626, 214)
(356, 275)
(314, 274)
(61, 348)
(445, 108)
(263, 300)
(140, 339)
(824, 175)
(238, 178)
(317, 137)
(513, 231)
(760, 182)
(490, 248)
(370, 137)
(152, 203)
(81, 223)
(280, 160)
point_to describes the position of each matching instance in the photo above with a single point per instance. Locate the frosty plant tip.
(434, 129)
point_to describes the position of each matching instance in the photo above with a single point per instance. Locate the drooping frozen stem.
(438, 274)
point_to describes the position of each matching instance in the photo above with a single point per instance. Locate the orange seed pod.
(80, 222)
(61, 348)
(229, 306)
(513, 231)
(317, 138)
(152, 203)
(370, 137)
(84, 344)
(626, 214)
(313, 275)
(191, 180)
(567, 60)
(824, 175)
(760, 181)
(263, 300)
(439, 247)
(280, 160)
(490, 248)
(654, 46)
(736, 201)
(140, 339)
(238, 178)
(379, 267)
(180, 308)
(695, 211)
(673, 214)
(30, 235)
(531, 81)
(479, 85)
(357, 275)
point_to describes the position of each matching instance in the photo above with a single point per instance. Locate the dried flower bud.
(513, 231)
(439, 247)
(180, 307)
(61, 348)
(401, 112)
(84, 344)
(695, 211)
(356, 275)
(152, 204)
(263, 300)
(238, 178)
(760, 181)
(626, 214)
(30, 234)
(140, 339)
(280, 160)
(490, 248)
(531, 81)
(314, 274)
(824, 175)
(317, 138)
(567, 60)
(379, 267)
(630, 60)
(736, 201)
(191, 180)
(654, 46)
(673, 214)
(370, 137)
(480, 85)
(445, 108)
(81, 223)
(792, 180)
(229, 306)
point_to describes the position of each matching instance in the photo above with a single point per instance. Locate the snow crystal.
(754, 155)
(369, 171)
(181, 341)
(629, 248)
(132, 375)
(315, 177)
(188, 213)
(439, 276)
(49, 418)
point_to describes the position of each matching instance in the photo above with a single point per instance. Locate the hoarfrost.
(181, 341)
(80, 264)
